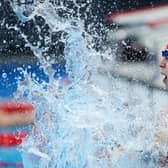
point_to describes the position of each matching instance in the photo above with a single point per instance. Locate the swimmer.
(14, 114)
(164, 71)
(161, 136)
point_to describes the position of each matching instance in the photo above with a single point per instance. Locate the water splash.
(91, 122)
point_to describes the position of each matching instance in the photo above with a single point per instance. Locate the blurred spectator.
(93, 12)
(36, 30)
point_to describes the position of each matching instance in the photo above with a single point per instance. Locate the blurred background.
(134, 31)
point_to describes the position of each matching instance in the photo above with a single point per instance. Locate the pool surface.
(10, 75)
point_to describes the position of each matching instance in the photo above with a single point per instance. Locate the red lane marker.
(5, 164)
(11, 140)
(10, 107)
(114, 16)
(19, 164)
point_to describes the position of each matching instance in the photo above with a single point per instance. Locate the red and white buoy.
(12, 114)
(12, 140)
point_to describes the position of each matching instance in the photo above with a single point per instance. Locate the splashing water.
(92, 122)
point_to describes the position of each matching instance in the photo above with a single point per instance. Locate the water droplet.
(33, 75)
(4, 75)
